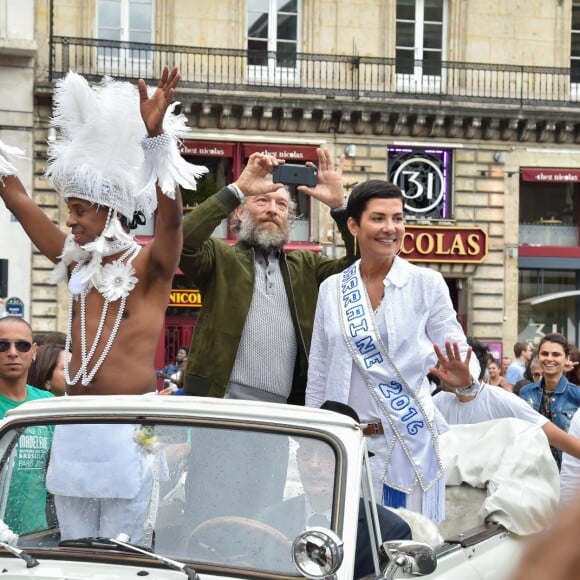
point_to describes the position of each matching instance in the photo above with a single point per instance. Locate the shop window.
(549, 213)
(542, 307)
(301, 227)
(219, 175)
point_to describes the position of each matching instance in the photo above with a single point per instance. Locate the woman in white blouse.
(380, 327)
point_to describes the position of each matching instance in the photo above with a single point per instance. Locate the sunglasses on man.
(21, 345)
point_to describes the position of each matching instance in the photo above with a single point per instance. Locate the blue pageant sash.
(413, 453)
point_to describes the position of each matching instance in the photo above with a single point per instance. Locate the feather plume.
(97, 155)
(74, 102)
(8, 156)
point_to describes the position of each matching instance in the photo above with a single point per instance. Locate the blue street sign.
(14, 307)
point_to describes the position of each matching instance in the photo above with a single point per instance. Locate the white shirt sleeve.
(570, 472)
(317, 360)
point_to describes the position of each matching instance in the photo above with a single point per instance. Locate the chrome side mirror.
(317, 553)
(409, 557)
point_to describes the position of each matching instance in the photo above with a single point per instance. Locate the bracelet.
(162, 141)
(470, 390)
(339, 208)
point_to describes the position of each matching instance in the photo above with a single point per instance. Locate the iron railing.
(348, 77)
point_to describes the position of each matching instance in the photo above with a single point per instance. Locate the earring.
(355, 246)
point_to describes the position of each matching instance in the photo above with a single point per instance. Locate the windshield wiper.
(31, 561)
(125, 546)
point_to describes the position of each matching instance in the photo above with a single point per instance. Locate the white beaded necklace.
(83, 372)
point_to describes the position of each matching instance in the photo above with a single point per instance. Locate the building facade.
(472, 108)
(18, 50)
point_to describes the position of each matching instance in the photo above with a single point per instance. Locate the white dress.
(416, 312)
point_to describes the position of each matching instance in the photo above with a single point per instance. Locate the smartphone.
(294, 174)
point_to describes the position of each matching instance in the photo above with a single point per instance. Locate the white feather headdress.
(98, 156)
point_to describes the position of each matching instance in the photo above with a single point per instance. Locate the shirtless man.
(132, 323)
(113, 164)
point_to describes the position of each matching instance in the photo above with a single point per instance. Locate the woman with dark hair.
(380, 327)
(47, 370)
(554, 396)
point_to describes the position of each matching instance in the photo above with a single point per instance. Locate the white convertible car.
(182, 487)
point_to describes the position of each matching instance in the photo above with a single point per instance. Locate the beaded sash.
(409, 435)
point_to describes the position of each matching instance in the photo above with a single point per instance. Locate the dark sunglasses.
(21, 345)
(536, 375)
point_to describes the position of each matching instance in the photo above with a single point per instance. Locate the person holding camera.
(253, 333)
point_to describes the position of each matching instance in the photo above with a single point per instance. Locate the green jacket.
(225, 276)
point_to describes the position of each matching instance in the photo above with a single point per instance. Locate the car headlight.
(317, 553)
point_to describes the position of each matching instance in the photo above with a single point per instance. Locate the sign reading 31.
(423, 177)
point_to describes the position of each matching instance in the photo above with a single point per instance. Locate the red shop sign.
(291, 153)
(550, 175)
(206, 148)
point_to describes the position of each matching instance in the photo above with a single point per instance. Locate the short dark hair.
(374, 188)
(481, 352)
(557, 338)
(520, 347)
(54, 337)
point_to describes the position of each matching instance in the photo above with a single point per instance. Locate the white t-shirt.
(570, 472)
(490, 403)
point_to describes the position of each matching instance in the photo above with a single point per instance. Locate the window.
(419, 38)
(553, 313)
(3, 278)
(549, 213)
(129, 21)
(272, 40)
(575, 45)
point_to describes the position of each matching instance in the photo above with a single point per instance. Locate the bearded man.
(253, 334)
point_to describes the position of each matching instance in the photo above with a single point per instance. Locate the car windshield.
(226, 494)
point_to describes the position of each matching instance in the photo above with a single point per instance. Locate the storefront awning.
(549, 297)
(550, 174)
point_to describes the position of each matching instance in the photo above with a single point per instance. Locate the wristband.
(235, 189)
(470, 390)
(159, 142)
(338, 209)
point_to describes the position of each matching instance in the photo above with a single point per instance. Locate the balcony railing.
(329, 76)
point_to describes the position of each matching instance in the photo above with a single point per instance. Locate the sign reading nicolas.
(444, 244)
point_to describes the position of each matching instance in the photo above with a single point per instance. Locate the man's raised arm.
(167, 168)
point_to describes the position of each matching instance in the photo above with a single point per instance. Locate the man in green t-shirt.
(25, 508)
